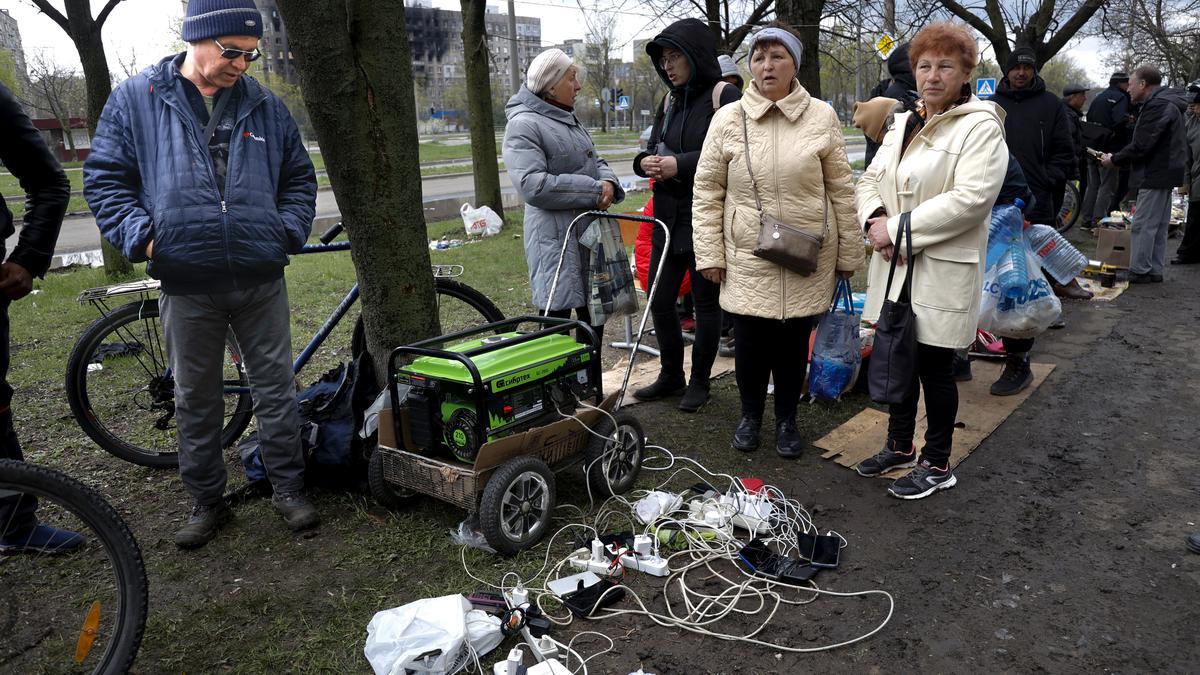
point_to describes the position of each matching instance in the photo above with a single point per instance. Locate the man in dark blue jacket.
(200, 170)
(1157, 157)
(47, 192)
(1105, 130)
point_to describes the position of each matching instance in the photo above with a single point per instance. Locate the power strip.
(752, 512)
(597, 560)
(543, 648)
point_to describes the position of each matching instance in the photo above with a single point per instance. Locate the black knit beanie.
(1019, 56)
(208, 19)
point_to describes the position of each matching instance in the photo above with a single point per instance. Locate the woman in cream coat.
(799, 161)
(944, 165)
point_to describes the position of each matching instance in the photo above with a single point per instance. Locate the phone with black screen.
(823, 550)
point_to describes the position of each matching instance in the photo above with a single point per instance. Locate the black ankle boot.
(746, 436)
(787, 439)
(1015, 377)
(663, 387)
(695, 396)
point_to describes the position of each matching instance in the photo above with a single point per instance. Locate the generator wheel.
(391, 497)
(517, 504)
(613, 456)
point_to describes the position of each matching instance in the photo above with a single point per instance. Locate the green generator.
(492, 381)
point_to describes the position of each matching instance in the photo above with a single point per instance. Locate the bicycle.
(78, 611)
(1068, 215)
(121, 390)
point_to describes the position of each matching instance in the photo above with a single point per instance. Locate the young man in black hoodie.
(685, 56)
(1038, 132)
(1157, 157)
(902, 87)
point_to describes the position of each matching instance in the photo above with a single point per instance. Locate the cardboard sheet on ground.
(1102, 293)
(979, 413)
(645, 370)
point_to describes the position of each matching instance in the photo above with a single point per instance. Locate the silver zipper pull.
(223, 209)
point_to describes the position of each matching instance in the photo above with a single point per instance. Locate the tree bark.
(1035, 34)
(484, 166)
(85, 32)
(804, 16)
(355, 71)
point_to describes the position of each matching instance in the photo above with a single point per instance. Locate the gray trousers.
(1148, 248)
(194, 327)
(1101, 186)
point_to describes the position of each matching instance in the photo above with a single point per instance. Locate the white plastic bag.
(1028, 314)
(432, 635)
(481, 221)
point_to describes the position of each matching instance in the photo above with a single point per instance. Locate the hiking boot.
(962, 368)
(1016, 376)
(725, 347)
(1193, 542)
(203, 524)
(887, 459)
(297, 511)
(787, 439)
(661, 388)
(695, 396)
(746, 436)
(923, 481)
(41, 539)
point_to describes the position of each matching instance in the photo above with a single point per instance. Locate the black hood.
(697, 42)
(1176, 95)
(1034, 89)
(899, 67)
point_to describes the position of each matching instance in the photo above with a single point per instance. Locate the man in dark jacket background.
(1106, 130)
(200, 170)
(1073, 98)
(47, 192)
(902, 87)
(685, 56)
(1188, 252)
(1037, 129)
(1157, 157)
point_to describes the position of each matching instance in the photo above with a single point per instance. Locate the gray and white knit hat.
(208, 19)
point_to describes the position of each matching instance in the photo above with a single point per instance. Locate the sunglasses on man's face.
(235, 54)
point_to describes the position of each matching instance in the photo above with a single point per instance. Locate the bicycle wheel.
(123, 398)
(459, 307)
(1069, 213)
(79, 611)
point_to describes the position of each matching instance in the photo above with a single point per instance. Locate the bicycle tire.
(100, 426)
(109, 528)
(443, 288)
(1071, 206)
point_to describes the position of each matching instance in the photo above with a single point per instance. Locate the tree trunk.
(356, 75)
(479, 106)
(805, 17)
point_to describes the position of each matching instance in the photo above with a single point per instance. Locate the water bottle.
(1057, 256)
(1006, 248)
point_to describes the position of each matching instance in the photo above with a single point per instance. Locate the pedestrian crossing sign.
(985, 86)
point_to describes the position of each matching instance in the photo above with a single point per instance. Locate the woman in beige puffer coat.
(799, 162)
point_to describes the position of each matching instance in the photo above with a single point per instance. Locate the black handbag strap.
(903, 235)
(215, 118)
(754, 183)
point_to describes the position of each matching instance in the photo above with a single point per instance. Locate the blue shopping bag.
(836, 349)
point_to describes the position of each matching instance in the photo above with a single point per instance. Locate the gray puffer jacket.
(553, 164)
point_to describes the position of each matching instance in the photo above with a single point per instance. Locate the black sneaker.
(887, 459)
(746, 437)
(297, 511)
(1137, 278)
(922, 481)
(787, 439)
(695, 396)
(1193, 542)
(203, 524)
(661, 388)
(1016, 377)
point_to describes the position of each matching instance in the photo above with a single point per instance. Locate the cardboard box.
(1112, 247)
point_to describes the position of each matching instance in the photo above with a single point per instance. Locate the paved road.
(79, 234)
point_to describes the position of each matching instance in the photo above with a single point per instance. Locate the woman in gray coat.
(553, 164)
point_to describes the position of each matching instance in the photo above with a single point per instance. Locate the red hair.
(945, 37)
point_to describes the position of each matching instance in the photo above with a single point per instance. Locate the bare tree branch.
(108, 8)
(46, 8)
